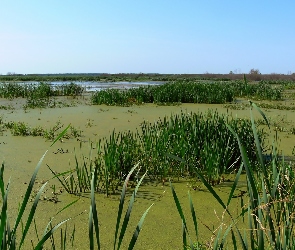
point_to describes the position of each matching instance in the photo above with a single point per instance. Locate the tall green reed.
(9, 235)
(188, 92)
(202, 140)
(119, 231)
(39, 95)
(268, 208)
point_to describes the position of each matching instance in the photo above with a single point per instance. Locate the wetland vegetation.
(186, 91)
(202, 150)
(133, 77)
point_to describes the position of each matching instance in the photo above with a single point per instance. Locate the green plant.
(93, 217)
(188, 91)
(6, 107)
(166, 94)
(20, 129)
(269, 208)
(8, 234)
(119, 233)
(23, 129)
(39, 95)
(74, 132)
(71, 89)
(64, 240)
(78, 179)
(202, 140)
(37, 131)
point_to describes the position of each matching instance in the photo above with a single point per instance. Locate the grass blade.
(93, 218)
(60, 135)
(254, 192)
(234, 185)
(138, 228)
(257, 142)
(4, 216)
(184, 240)
(65, 185)
(212, 191)
(48, 235)
(68, 205)
(2, 181)
(31, 215)
(90, 229)
(234, 240)
(121, 204)
(28, 193)
(179, 209)
(178, 206)
(193, 215)
(262, 114)
(128, 212)
(175, 157)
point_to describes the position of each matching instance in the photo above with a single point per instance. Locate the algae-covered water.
(162, 227)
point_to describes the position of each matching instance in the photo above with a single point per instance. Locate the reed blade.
(138, 228)
(121, 204)
(31, 214)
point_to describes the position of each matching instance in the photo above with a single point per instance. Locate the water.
(98, 86)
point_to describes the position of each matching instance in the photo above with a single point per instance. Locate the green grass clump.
(71, 89)
(268, 207)
(260, 91)
(6, 107)
(169, 93)
(286, 84)
(23, 129)
(12, 90)
(40, 95)
(201, 140)
(188, 92)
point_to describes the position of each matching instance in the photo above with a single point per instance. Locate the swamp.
(214, 160)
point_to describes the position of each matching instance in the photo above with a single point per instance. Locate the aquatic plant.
(22, 129)
(268, 207)
(120, 232)
(169, 93)
(187, 92)
(92, 178)
(10, 236)
(71, 89)
(39, 95)
(202, 140)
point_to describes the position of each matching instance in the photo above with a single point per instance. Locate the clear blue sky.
(187, 36)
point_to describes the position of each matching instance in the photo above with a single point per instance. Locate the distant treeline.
(104, 77)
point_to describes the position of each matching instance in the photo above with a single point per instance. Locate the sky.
(154, 36)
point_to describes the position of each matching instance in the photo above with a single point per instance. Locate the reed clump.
(169, 93)
(39, 95)
(267, 206)
(20, 128)
(201, 140)
(186, 91)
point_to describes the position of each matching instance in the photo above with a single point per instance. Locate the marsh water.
(162, 227)
(97, 86)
